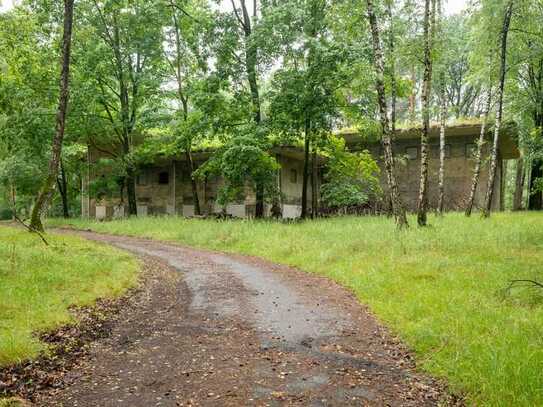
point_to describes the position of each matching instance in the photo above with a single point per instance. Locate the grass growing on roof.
(38, 283)
(441, 288)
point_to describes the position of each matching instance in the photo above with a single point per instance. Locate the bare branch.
(31, 229)
(238, 17)
(532, 283)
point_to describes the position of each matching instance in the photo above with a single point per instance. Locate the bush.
(352, 179)
(6, 214)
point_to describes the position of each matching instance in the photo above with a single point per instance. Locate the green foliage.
(309, 86)
(538, 186)
(6, 214)
(352, 179)
(242, 162)
(39, 283)
(27, 91)
(16, 170)
(342, 193)
(110, 179)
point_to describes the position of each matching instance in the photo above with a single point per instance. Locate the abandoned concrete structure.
(460, 146)
(165, 187)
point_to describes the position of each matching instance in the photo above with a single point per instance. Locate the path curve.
(217, 329)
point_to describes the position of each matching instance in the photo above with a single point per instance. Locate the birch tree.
(520, 175)
(442, 117)
(441, 175)
(499, 108)
(429, 19)
(479, 154)
(397, 205)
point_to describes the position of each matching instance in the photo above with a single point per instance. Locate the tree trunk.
(63, 190)
(194, 185)
(441, 182)
(259, 197)
(393, 86)
(251, 54)
(130, 181)
(56, 149)
(305, 175)
(13, 193)
(519, 185)
(503, 184)
(397, 205)
(121, 191)
(185, 108)
(314, 179)
(535, 201)
(251, 60)
(392, 69)
(478, 156)
(499, 111)
(426, 95)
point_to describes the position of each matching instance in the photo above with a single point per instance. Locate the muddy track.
(216, 329)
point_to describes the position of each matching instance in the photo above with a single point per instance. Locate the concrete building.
(460, 145)
(165, 187)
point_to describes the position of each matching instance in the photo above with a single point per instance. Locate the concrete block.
(188, 210)
(237, 211)
(292, 211)
(101, 212)
(143, 210)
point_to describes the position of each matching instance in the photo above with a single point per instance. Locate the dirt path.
(212, 329)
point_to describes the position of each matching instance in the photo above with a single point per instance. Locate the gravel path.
(216, 329)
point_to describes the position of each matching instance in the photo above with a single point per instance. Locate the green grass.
(38, 283)
(441, 289)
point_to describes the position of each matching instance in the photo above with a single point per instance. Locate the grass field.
(441, 289)
(38, 283)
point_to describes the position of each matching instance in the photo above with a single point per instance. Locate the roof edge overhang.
(507, 141)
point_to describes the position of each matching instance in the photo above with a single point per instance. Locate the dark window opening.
(163, 178)
(294, 176)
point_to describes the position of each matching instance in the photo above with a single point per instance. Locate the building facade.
(460, 146)
(164, 188)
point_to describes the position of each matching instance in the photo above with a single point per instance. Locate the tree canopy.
(174, 77)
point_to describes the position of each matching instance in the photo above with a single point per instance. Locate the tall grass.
(38, 283)
(441, 288)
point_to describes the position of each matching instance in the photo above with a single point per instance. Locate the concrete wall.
(175, 196)
(291, 185)
(156, 197)
(459, 166)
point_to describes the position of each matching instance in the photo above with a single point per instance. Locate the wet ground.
(216, 329)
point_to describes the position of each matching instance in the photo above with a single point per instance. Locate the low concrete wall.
(291, 211)
(143, 210)
(188, 211)
(236, 210)
(103, 212)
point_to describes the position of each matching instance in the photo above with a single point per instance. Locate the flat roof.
(507, 144)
